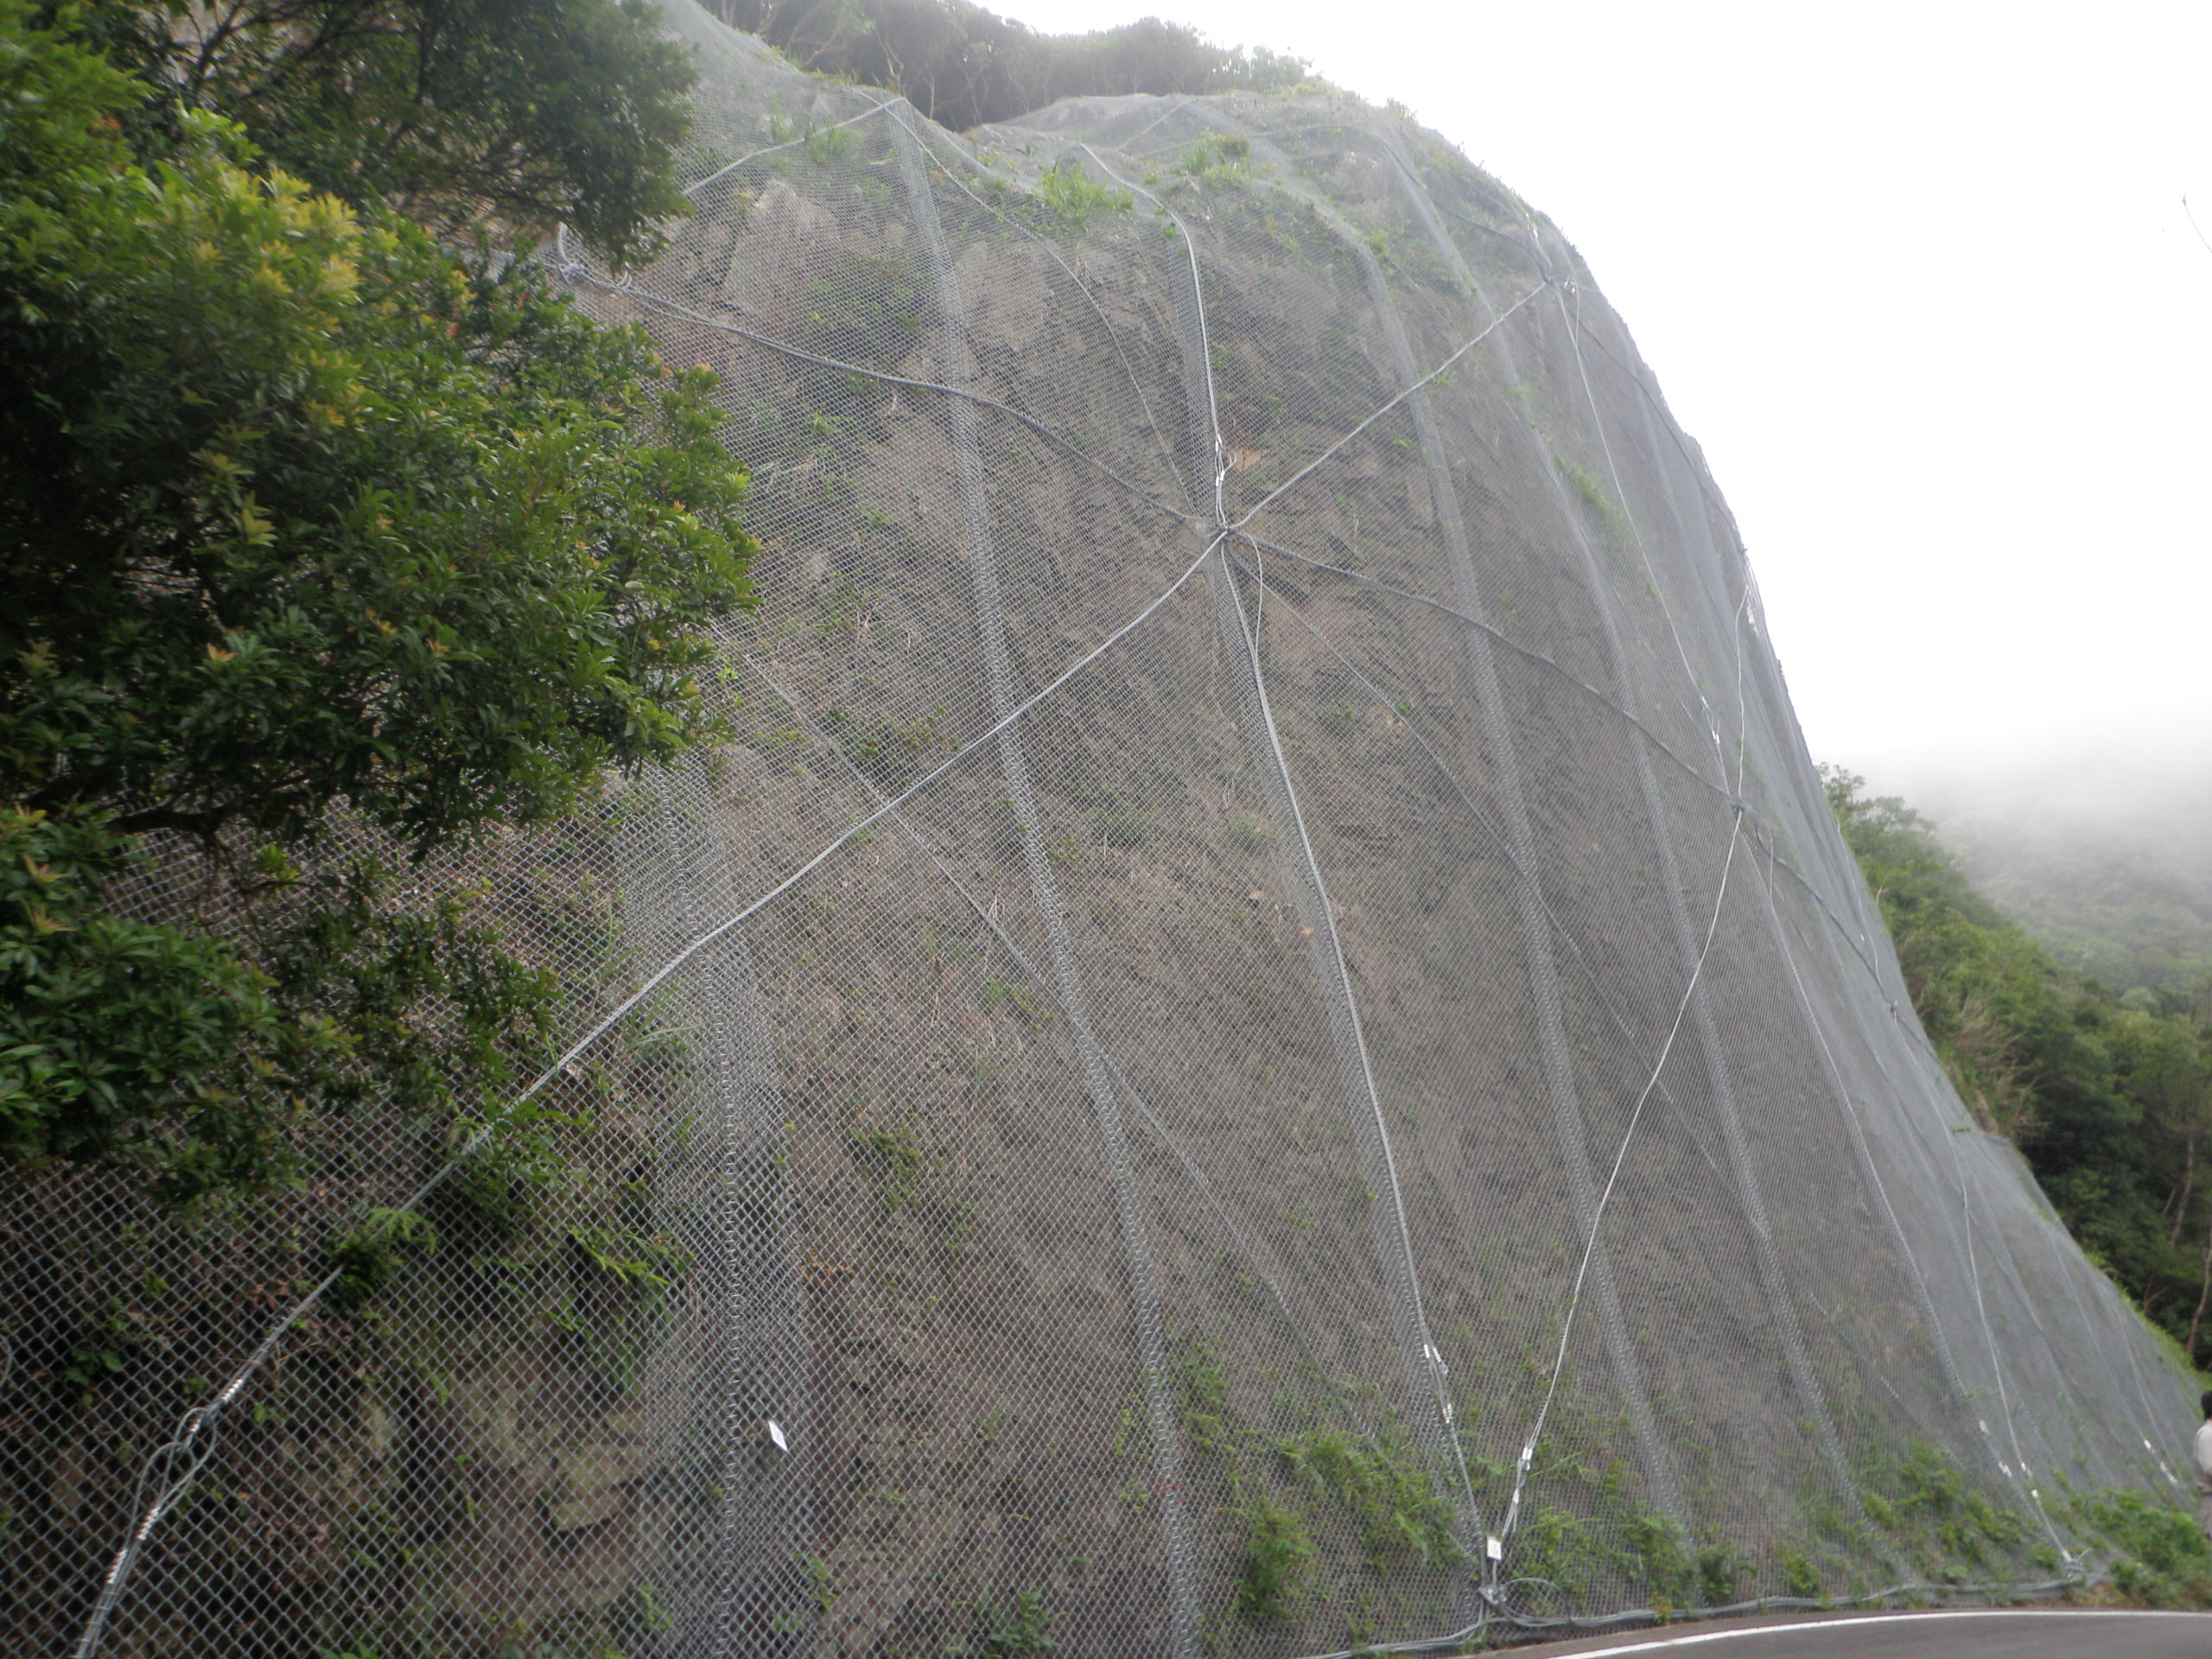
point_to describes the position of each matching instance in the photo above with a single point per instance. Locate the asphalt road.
(2042, 1633)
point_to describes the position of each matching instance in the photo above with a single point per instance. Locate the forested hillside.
(2108, 1096)
(2125, 897)
(961, 65)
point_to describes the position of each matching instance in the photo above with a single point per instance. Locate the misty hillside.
(2106, 863)
(2108, 1095)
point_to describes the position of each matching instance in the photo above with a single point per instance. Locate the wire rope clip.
(776, 1434)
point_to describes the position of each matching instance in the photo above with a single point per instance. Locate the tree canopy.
(527, 112)
(306, 517)
(961, 65)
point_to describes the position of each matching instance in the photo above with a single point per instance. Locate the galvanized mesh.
(1263, 1043)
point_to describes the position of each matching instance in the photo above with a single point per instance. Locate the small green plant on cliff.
(1274, 1576)
(1402, 1516)
(2160, 1555)
(892, 1160)
(1021, 1628)
(1074, 195)
(1935, 1515)
(1589, 489)
(366, 1257)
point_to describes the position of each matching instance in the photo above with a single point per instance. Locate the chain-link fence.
(1263, 1043)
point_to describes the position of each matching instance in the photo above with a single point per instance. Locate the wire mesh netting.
(1263, 1043)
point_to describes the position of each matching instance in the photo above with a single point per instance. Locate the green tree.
(518, 113)
(2111, 1104)
(306, 521)
(961, 64)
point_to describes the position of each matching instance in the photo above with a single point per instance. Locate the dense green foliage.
(961, 65)
(304, 519)
(2160, 1555)
(2110, 1100)
(525, 112)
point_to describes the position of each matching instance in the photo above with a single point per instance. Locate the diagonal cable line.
(196, 1429)
(1597, 1224)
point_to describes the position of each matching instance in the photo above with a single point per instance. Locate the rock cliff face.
(1262, 1041)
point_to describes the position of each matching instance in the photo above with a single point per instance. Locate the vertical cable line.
(2047, 1234)
(763, 1308)
(1179, 1541)
(1259, 1259)
(1855, 1131)
(1766, 1251)
(1426, 1376)
(1863, 1157)
(1568, 1119)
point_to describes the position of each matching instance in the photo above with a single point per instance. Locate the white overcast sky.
(1919, 280)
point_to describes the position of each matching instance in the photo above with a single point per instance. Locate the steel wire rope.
(1597, 1222)
(203, 1419)
(1966, 1256)
(1178, 1543)
(1765, 1252)
(1113, 334)
(1251, 1251)
(1561, 1087)
(576, 271)
(1338, 984)
(1424, 1366)
(1871, 1175)
(1199, 312)
(1505, 847)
